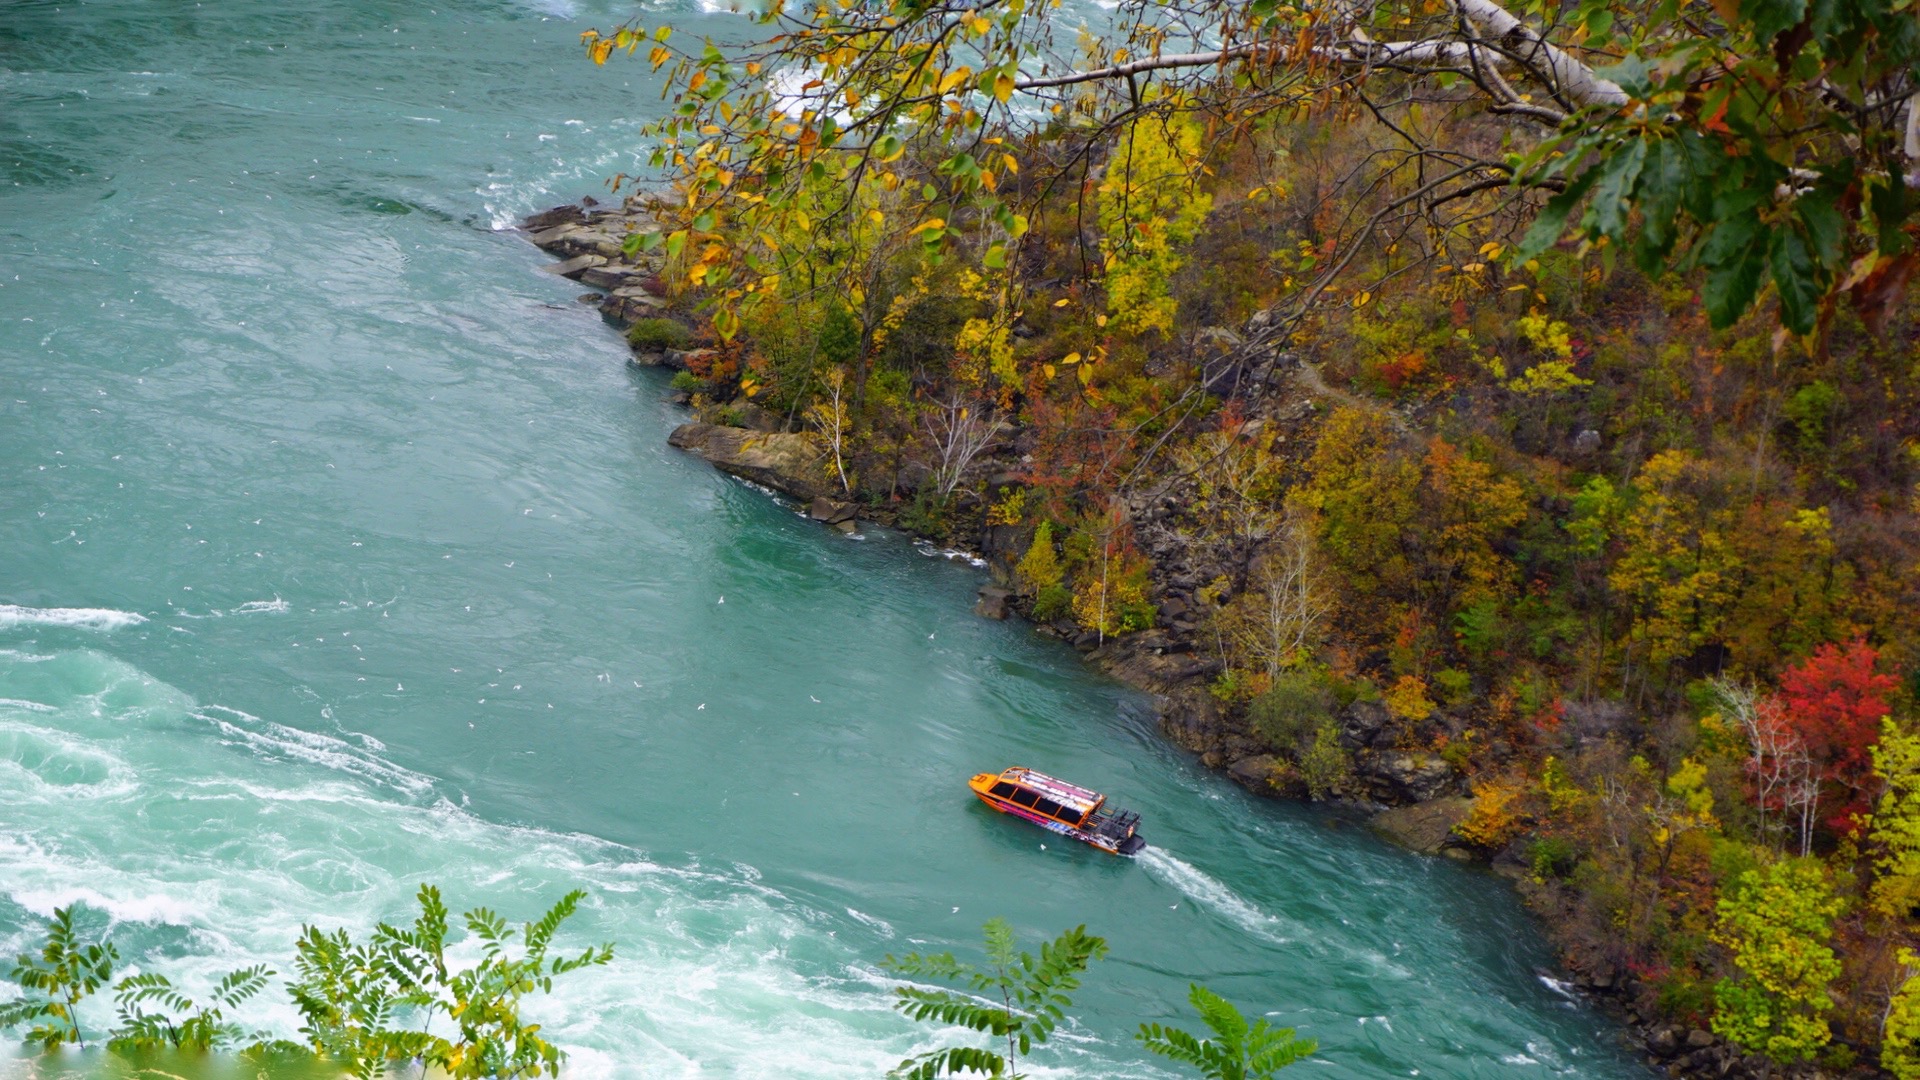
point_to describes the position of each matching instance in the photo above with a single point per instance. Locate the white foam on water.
(230, 831)
(257, 607)
(29, 706)
(884, 927)
(273, 740)
(1201, 888)
(12, 615)
(156, 908)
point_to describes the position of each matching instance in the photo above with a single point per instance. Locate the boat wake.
(1199, 887)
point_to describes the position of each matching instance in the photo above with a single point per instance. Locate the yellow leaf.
(1062, 302)
(601, 50)
(1086, 374)
(929, 225)
(1361, 300)
(1099, 320)
(1012, 166)
(1070, 359)
(1049, 369)
(955, 78)
(1003, 87)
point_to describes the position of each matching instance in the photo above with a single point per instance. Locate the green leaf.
(1797, 279)
(1770, 17)
(1607, 214)
(1735, 257)
(1552, 222)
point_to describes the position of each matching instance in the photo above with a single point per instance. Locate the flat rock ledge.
(1424, 827)
(792, 463)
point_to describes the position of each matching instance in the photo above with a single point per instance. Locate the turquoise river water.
(339, 552)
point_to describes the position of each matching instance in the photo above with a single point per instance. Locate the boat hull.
(1126, 846)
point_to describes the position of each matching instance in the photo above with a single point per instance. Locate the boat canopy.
(1073, 797)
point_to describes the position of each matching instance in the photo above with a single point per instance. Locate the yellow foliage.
(1497, 815)
(1407, 698)
(1010, 510)
(1678, 567)
(1147, 208)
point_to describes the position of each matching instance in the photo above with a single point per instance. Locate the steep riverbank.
(1414, 798)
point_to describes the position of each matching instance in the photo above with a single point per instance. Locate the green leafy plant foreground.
(364, 1006)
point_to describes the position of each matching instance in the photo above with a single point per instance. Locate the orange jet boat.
(1060, 807)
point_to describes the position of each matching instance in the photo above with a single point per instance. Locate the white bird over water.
(722, 600)
(813, 699)
(700, 706)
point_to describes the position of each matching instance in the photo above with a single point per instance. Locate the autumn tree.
(1895, 837)
(1776, 922)
(1759, 143)
(1835, 701)
(1360, 501)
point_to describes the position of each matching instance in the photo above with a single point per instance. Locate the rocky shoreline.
(1412, 798)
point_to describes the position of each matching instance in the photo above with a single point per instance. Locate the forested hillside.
(1527, 397)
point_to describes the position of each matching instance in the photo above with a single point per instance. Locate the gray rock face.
(1252, 772)
(1362, 723)
(576, 267)
(614, 276)
(829, 511)
(1409, 776)
(1424, 828)
(996, 602)
(631, 304)
(785, 461)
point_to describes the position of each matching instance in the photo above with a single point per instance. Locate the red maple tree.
(1834, 702)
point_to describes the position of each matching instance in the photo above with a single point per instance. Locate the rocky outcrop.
(1405, 776)
(591, 244)
(1424, 827)
(788, 462)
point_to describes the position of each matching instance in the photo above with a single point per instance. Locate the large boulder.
(996, 602)
(631, 304)
(1426, 827)
(1254, 773)
(789, 462)
(1405, 776)
(576, 268)
(1361, 724)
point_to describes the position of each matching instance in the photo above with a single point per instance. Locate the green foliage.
(1895, 836)
(1810, 409)
(1053, 602)
(656, 334)
(1776, 921)
(1325, 765)
(1238, 1050)
(1900, 1034)
(1776, 186)
(687, 382)
(1550, 857)
(1032, 995)
(348, 994)
(1039, 569)
(68, 971)
(180, 1024)
(1289, 714)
